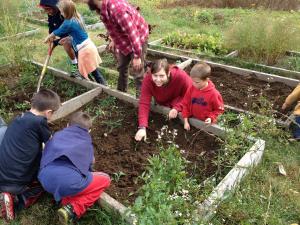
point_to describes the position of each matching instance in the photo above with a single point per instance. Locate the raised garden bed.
(23, 32)
(17, 88)
(241, 88)
(113, 139)
(91, 19)
(117, 153)
(286, 66)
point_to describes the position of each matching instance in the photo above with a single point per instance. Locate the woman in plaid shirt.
(128, 32)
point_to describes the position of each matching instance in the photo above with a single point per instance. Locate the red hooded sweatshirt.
(169, 95)
(203, 104)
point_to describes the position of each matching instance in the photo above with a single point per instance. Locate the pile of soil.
(244, 91)
(116, 150)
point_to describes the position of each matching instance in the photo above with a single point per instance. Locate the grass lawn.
(264, 197)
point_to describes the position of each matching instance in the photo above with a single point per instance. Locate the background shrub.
(263, 39)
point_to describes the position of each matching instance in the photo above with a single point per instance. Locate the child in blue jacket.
(65, 169)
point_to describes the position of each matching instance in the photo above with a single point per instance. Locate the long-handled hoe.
(50, 50)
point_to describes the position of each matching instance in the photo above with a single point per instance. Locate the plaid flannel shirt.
(125, 26)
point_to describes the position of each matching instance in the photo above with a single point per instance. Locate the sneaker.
(7, 206)
(294, 139)
(74, 71)
(66, 214)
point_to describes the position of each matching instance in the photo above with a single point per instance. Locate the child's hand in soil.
(208, 121)
(284, 107)
(187, 126)
(141, 134)
(173, 114)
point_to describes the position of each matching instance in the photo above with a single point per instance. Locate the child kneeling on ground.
(21, 151)
(292, 98)
(88, 57)
(202, 100)
(65, 169)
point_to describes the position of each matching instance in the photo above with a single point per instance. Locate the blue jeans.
(3, 128)
(296, 131)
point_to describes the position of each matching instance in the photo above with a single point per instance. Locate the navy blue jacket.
(21, 149)
(66, 161)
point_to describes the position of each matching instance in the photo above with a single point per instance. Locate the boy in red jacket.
(202, 100)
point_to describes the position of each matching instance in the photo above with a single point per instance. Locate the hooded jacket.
(66, 161)
(54, 21)
(203, 104)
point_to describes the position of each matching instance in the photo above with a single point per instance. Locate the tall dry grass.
(263, 39)
(266, 4)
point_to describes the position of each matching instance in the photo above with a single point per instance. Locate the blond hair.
(68, 8)
(201, 71)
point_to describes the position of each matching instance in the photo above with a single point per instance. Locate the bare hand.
(137, 64)
(187, 126)
(208, 121)
(173, 114)
(141, 134)
(284, 106)
(111, 47)
(50, 38)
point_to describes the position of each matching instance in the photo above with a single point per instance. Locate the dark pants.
(296, 130)
(123, 66)
(3, 128)
(24, 195)
(99, 77)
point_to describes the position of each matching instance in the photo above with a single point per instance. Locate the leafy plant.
(211, 44)
(204, 16)
(116, 176)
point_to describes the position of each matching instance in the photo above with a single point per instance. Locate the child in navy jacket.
(65, 169)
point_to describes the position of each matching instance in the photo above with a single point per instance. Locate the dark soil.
(244, 91)
(116, 150)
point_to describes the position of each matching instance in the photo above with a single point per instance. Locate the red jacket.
(203, 104)
(170, 95)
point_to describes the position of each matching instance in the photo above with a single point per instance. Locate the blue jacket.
(66, 161)
(72, 27)
(73, 142)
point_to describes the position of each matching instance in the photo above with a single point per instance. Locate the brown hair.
(69, 10)
(45, 99)
(159, 64)
(201, 70)
(82, 119)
